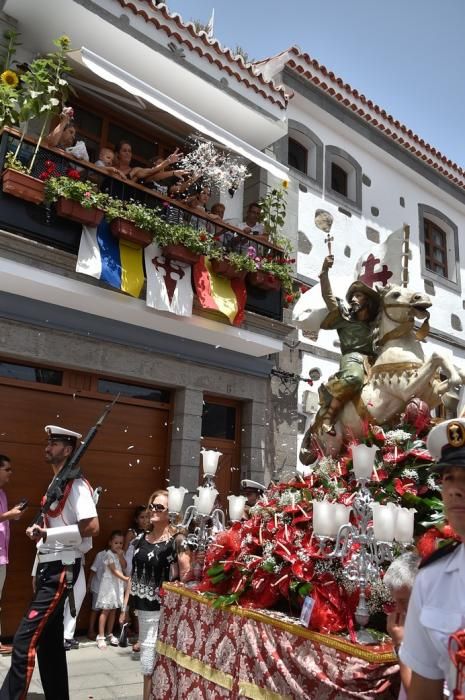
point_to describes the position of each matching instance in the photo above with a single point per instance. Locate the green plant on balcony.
(83, 192)
(273, 214)
(198, 241)
(279, 268)
(9, 80)
(240, 261)
(137, 213)
(12, 162)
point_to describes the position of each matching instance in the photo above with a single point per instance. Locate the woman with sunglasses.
(154, 553)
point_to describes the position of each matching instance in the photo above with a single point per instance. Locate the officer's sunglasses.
(157, 507)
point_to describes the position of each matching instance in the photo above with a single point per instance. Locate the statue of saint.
(354, 328)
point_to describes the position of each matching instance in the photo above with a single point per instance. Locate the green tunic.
(356, 338)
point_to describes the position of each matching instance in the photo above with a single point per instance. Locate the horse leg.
(417, 384)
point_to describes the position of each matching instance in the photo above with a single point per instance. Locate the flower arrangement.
(37, 91)
(9, 80)
(279, 268)
(139, 214)
(216, 167)
(272, 559)
(83, 192)
(273, 214)
(242, 262)
(198, 241)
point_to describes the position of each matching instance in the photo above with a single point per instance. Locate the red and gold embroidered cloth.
(208, 654)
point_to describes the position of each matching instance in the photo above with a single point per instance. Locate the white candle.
(342, 514)
(404, 524)
(363, 458)
(206, 499)
(324, 519)
(384, 521)
(176, 498)
(210, 461)
(236, 507)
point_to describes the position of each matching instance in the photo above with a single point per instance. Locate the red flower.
(203, 237)
(289, 298)
(402, 486)
(87, 194)
(73, 173)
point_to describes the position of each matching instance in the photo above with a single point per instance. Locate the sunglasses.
(157, 507)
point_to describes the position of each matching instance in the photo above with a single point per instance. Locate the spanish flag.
(113, 261)
(219, 293)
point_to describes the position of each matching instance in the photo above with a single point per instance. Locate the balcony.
(41, 224)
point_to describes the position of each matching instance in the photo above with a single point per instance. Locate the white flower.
(35, 93)
(52, 88)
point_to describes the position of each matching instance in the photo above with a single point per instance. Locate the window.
(298, 156)
(338, 179)
(99, 127)
(435, 248)
(305, 152)
(133, 391)
(26, 373)
(343, 178)
(439, 246)
(218, 421)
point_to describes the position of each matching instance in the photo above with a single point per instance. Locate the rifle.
(71, 470)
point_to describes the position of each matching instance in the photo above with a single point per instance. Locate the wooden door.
(128, 458)
(221, 430)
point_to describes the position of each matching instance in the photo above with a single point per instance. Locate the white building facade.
(356, 166)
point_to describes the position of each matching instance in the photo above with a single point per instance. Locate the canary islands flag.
(113, 261)
(218, 293)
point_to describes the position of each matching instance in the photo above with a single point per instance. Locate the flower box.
(181, 253)
(23, 186)
(223, 268)
(70, 209)
(127, 231)
(263, 280)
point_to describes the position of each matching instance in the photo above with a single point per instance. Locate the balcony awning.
(138, 88)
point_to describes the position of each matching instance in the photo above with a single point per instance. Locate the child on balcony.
(106, 158)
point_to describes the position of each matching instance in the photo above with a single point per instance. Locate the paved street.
(94, 674)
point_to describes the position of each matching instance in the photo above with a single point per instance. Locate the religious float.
(290, 601)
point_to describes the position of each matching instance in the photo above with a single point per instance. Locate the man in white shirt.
(65, 535)
(437, 605)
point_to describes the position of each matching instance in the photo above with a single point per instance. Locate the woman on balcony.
(63, 136)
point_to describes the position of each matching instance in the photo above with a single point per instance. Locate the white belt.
(65, 556)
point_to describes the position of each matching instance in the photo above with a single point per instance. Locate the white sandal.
(112, 640)
(101, 643)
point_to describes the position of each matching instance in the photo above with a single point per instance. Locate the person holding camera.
(5, 516)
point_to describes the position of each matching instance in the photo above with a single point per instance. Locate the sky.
(408, 56)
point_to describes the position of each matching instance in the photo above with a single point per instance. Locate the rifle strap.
(55, 512)
(69, 568)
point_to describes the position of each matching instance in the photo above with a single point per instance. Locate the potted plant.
(17, 181)
(39, 91)
(77, 200)
(273, 211)
(182, 242)
(231, 265)
(132, 222)
(272, 273)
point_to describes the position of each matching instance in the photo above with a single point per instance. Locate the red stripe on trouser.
(31, 652)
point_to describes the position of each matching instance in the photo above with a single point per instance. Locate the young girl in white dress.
(111, 590)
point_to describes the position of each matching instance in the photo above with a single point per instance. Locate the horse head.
(402, 305)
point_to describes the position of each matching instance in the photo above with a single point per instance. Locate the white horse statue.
(400, 372)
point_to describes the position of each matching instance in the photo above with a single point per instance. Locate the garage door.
(128, 457)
